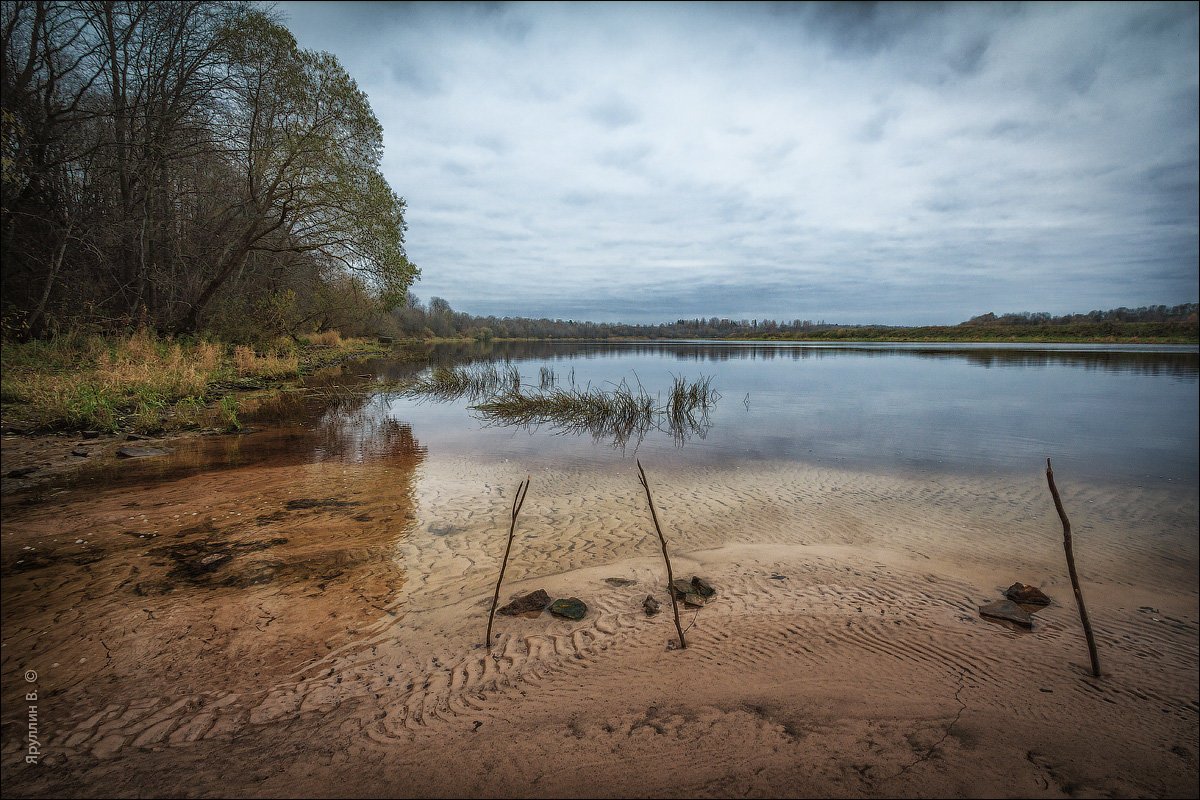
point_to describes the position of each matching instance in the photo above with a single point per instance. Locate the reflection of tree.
(367, 437)
(1179, 364)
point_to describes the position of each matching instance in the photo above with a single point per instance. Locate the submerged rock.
(650, 605)
(527, 605)
(1007, 610)
(328, 502)
(1027, 595)
(620, 581)
(703, 587)
(571, 608)
(143, 452)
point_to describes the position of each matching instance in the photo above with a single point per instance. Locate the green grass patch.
(147, 383)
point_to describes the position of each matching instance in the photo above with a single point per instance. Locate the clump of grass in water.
(619, 414)
(481, 380)
(228, 410)
(547, 378)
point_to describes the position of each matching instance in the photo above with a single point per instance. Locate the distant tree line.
(438, 319)
(185, 165)
(1187, 312)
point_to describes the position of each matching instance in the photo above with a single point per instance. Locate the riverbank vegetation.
(145, 383)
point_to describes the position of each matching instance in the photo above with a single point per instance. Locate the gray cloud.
(860, 162)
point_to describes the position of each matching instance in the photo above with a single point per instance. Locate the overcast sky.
(854, 163)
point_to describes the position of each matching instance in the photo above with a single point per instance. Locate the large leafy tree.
(171, 162)
(306, 148)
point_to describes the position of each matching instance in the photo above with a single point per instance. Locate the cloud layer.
(886, 163)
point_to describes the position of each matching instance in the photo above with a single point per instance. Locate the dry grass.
(248, 363)
(95, 382)
(327, 338)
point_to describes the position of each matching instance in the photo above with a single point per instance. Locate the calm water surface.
(1118, 413)
(1121, 414)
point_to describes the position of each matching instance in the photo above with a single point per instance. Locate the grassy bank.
(148, 384)
(1082, 333)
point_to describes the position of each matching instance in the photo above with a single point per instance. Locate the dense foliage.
(185, 165)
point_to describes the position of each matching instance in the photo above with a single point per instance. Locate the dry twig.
(518, 501)
(1083, 616)
(663, 541)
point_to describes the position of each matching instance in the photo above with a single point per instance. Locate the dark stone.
(80, 451)
(529, 605)
(620, 581)
(143, 452)
(90, 434)
(681, 587)
(689, 593)
(571, 608)
(1027, 595)
(88, 558)
(1007, 610)
(20, 473)
(702, 587)
(650, 605)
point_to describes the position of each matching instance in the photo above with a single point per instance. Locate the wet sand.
(315, 629)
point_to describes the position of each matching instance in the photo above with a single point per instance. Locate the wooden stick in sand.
(663, 541)
(1087, 626)
(518, 501)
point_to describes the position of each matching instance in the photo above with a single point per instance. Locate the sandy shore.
(316, 630)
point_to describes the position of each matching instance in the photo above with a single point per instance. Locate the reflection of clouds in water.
(922, 408)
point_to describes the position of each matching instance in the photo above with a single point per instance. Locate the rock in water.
(1027, 595)
(702, 587)
(1007, 610)
(650, 605)
(619, 581)
(143, 452)
(571, 608)
(530, 605)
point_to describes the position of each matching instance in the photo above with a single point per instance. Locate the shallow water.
(356, 534)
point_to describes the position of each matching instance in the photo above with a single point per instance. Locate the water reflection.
(1114, 412)
(334, 417)
(1176, 360)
